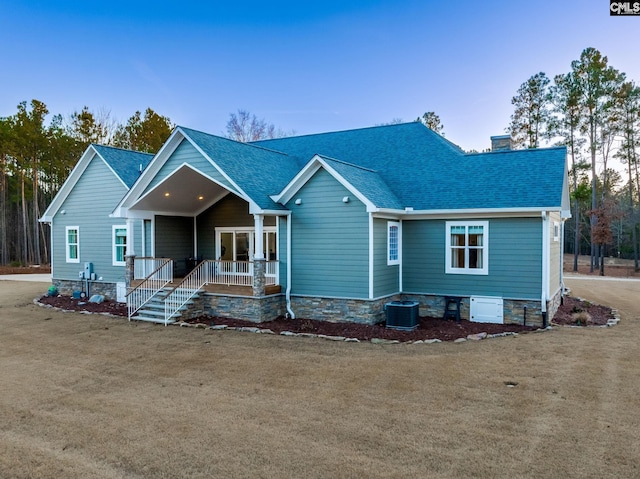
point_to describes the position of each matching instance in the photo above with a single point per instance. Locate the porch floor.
(223, 288)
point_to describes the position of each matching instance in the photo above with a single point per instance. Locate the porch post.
(259, 245)
(131, 254)
(259, 264)
(130, 237)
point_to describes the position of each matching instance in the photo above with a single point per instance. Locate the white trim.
(154, 168)
(392, 224)
(485, 248)
(556, 231)
(462, 213)
(546, 243)
(371, 257)
(68, 258)
(114, 246)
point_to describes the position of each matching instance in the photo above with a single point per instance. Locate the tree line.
(36, 157)
(594, 110)
(39, 150)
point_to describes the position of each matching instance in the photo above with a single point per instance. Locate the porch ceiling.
(185, 192)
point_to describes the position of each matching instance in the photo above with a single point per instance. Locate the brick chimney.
(501, 143)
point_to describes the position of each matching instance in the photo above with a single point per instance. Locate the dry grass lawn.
(88, 396)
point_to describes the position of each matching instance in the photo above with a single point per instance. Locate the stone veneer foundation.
(267, 308)
(249, 308)
(67, 287)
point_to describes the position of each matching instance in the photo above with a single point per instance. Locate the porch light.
(166, 195)
(345, 199)
(298, 201)
(201, 197)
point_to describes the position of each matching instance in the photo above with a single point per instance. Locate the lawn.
(90, 396)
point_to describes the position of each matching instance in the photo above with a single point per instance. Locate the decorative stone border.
(255, 330)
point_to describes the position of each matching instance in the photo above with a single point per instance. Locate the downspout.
(562, 261)
(545, 267)
(287, 293)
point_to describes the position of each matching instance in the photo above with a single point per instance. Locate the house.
(331, 226)
(82, 228)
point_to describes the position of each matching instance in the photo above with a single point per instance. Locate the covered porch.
(197, 232)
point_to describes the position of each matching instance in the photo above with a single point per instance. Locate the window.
(556, 231)
(238, 244)
(393, 242)
(119, 245)
(72, 240)
(467, 247)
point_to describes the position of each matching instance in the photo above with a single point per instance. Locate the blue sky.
(304, 66)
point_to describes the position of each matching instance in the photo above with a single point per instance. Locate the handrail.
(185, 290)
(142, 293)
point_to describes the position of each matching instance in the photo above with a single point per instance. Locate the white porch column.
(130, 238)
(130, 256)
(259, 243)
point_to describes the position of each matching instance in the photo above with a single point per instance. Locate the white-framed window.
(467, 250)
(556, 231)
(72, 242)
(393, 242)
(238, 244)
(119, 243)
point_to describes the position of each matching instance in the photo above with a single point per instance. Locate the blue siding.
(186, 153)
(92, 217)
(386, 278)
(515, 260)
(330, 245)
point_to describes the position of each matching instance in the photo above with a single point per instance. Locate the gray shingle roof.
(127, 164)
(423, 170)
(257, 171)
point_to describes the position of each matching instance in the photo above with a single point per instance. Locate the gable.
(186, 153)
(122, 166)
(97, 178)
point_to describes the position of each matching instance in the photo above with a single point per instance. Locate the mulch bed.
(578, 312)
(428, 328)
(71, 304)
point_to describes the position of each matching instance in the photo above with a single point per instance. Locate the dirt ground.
(90, 396)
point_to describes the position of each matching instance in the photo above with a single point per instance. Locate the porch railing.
(144, 266)
(154, 282)
(231, 273)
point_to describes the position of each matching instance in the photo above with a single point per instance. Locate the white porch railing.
(144, 266)
(230, 273)
(154, 282)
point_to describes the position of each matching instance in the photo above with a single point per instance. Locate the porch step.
(152, 320)
(154, 310)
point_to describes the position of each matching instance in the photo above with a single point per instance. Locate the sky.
(309, 67)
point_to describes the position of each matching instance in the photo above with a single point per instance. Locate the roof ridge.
(233, 141)
(530, 150)
(348, 130)
(346, 163)
(128, 150)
